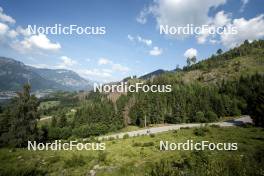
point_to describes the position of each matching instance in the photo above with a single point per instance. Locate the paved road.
(236, 122)
(45, 118)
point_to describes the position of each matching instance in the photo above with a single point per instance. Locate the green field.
(138, 155)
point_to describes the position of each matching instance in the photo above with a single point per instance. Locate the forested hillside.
(235, 84)
(226, 84)
(235, 87)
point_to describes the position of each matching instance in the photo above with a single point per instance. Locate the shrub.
(162, 168)
(199, 117)
(54, 133)
(152, 135)
(148, 144)
(53, 159)
(65, 132)
(247, 125)
(74, 161)
(26, 170)
(102, 156)
(125, 136)
(215, 126)
(200, 131)
(137, 144)
(182, 128)
(211, 116)
(111, 138)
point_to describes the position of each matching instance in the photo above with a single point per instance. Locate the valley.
(219, 99)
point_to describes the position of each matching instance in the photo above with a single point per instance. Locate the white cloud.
(181, 12)
(119, 67)
(156, 51)
(142, 17)
(190, 53)
(244, 3)
(139, 39)
(251, 29)
(88, 73)
(3, 28)
(24, 32)
(114, 66)
(67, 62)
(145, 41)
(104, 61)
(130, 38)
(107, 70)
(88, 60)
(221, 19)
(6, 18)
(12, 34)
(38, 42)
(41, 41)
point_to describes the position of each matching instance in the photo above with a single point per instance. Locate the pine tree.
(23, 118)
(219, 51)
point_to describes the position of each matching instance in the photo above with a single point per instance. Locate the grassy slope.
(123, 158)
(231, 69)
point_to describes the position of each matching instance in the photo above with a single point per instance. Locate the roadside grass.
(131, 156)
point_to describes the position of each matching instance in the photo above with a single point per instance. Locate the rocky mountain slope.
(13, 74)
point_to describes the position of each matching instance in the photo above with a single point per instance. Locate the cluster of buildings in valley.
(7, 95)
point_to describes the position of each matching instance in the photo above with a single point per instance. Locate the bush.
(199, 117)
(74, 161)
(152, 135)
(247, 125)
(148, 144)
(59, 133)
(54, 133)
(215, 126)
(200, 131)
(137, 144)
(90, 130)
(65, 133)
(25, 170)
(102, 156)
(162, 168)
(182, 128)
(126, 136)
(211, 116)
(111, 138)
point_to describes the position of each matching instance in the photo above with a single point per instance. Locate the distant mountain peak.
(153, 74)
(13, 74)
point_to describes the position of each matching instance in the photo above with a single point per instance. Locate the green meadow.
(142, 156)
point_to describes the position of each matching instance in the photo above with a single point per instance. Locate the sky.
(132, 43)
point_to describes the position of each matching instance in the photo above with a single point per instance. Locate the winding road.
(237, 122)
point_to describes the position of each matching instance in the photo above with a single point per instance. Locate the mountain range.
(14, 74)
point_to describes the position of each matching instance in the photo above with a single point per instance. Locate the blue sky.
(132, 44)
